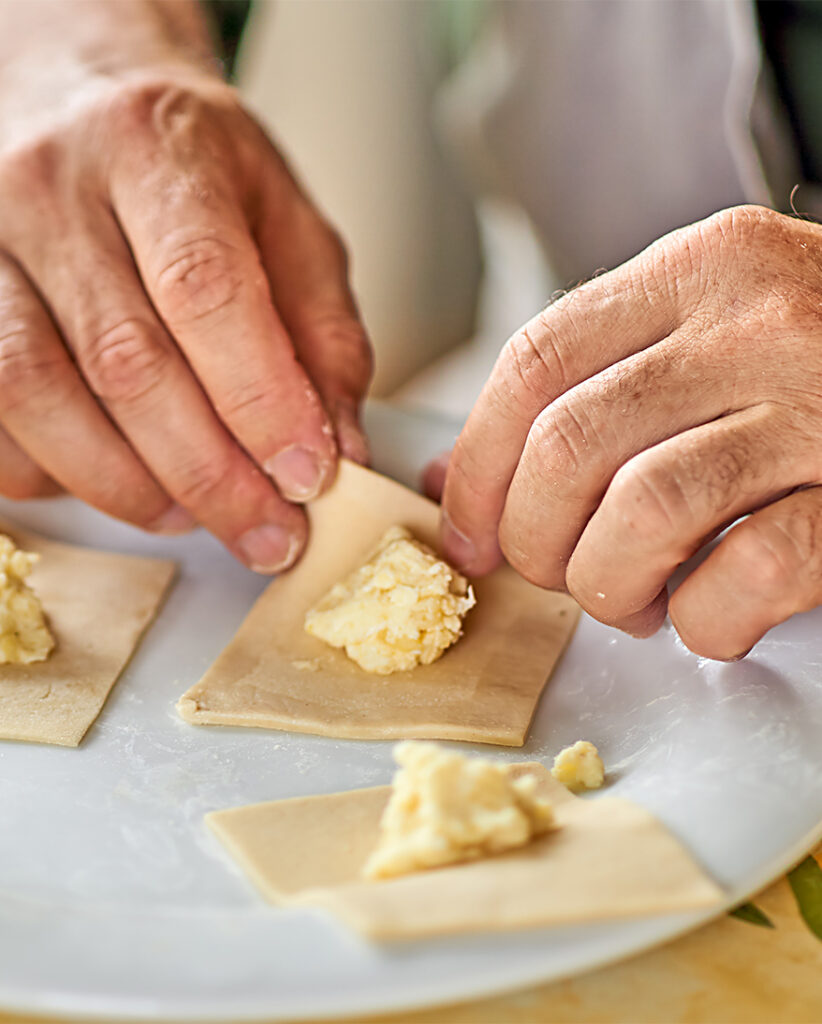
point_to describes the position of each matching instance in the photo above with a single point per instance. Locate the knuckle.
(804, 530)
(200, 278)
(135, 104)
(740, 224)
(28, 372)
(199, 483)
(249, 400)
(532, 362)
(758, 219)
(347, 353)
(724, 477)
(567, 440)
(652, 501)
(123, 362)
(31, 169)
(627, 383)
(161, 106)
(768, 557)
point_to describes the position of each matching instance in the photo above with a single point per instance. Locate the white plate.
(114, 900)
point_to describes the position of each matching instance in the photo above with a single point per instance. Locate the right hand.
(629, 424)
(178, 341)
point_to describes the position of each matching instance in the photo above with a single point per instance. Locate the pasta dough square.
(97, 604)
(608, 859)
(484, 689)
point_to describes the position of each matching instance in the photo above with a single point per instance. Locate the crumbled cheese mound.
(579, 766)
(446, 808)
(24, 635)
(401, 609)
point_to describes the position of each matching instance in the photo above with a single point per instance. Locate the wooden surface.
(733, 971)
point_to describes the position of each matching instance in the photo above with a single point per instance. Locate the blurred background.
(426, 129)
(375, 103)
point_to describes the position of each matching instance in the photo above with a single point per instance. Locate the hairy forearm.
(60, 52)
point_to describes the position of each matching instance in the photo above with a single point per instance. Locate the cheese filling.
(447, 808)
(579, 766)
(401, 609)
(24, 635)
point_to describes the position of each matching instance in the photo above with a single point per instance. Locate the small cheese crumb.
(24, 635)
(446, 808)
(579, 766)
(401, 609)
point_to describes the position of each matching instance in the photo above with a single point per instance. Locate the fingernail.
(296, 471)
(738, 657)
(457, 547)
(268, 548)
(174, 520)
(353, 444)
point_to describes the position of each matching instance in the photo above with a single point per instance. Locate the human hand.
(178, 341)
(627, 424)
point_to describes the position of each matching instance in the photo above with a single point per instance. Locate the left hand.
(178, 340)
(627, 424)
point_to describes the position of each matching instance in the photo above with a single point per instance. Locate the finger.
(20, 477)
(597, 324)
(203, 274)
(134, 368)
(765, 569)
(433, 477)
(578, 443)
(308, 271)
(48, 411)
(663, 504)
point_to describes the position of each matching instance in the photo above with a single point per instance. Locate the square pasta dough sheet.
(608, 859)
(483, 689)
(97, 604)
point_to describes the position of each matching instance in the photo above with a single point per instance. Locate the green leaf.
(752, 914)
(806, 883)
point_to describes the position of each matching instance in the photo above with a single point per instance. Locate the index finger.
(307, 267)
(201, 269)
(588, 329)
